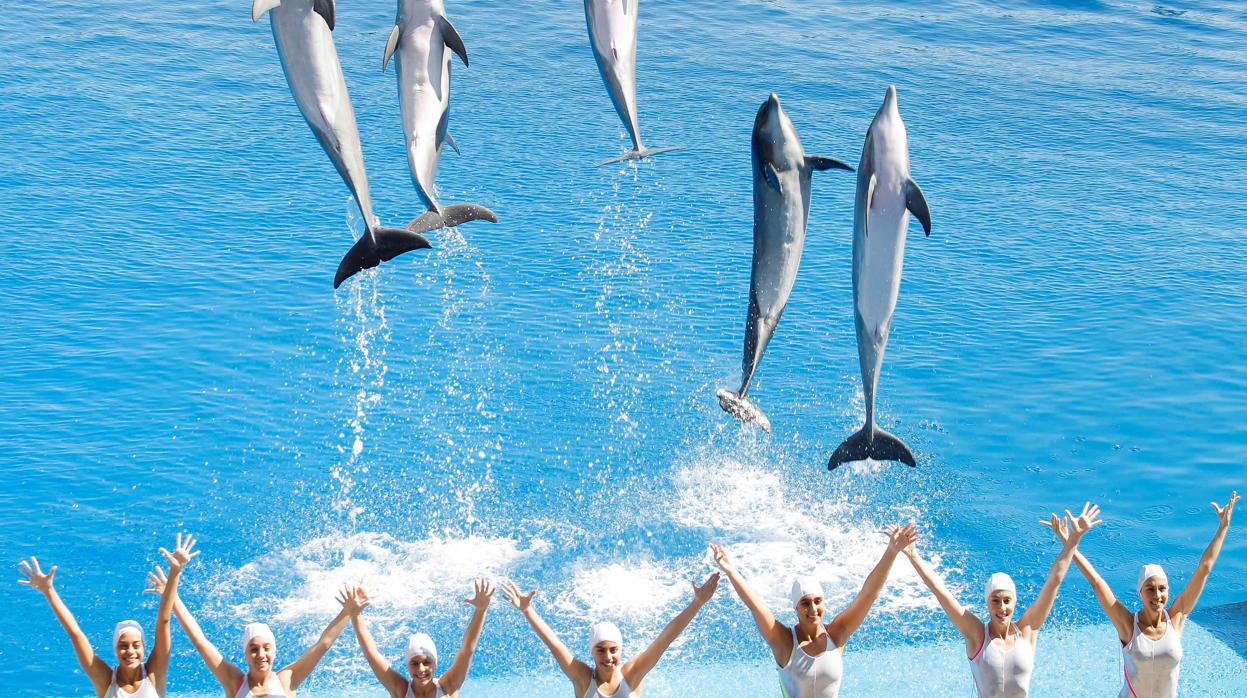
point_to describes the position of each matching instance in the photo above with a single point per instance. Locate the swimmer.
(132, 678)
(259, 647)
(608, 677)
(421, 654)
(1151, 640)
(810, 654)
(1002, 650)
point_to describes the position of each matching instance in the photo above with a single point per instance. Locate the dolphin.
(302, 30)
(421, 43)
(886, 195)
(612, 34)
(781, 205)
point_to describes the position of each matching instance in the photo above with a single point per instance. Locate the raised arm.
(97, 669)
(158, 660)
(226, 674)
(392, 680)
(1185, 603)
(302, 667)
(644, 662)
(1122, 618)
(1069, 530)
(454, 677)
(577, 671)
(845, 624)
(774, 632)
(970, 627)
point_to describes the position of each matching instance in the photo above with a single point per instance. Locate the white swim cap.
(1149, 571)
(420, 645)
(605, 632)
(804, 586)
(999, 582)
(126, 626)
(257, 631)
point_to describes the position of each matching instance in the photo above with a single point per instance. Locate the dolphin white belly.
(886, 195)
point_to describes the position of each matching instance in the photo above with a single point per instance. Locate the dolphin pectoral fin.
(325, 8)
(390, 46)
(377, 246)
(452, 39)
(879, 446)
(870, 201)
(818, 162)
(916, 202)
(743, 409)
(772, 177)
(454, 214)
(259, 7)
(642, 153)
(454, 146)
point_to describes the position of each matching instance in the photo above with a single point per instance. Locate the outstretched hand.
(517, 599)
(484, 592)
(156, 582)
(35, 576)
(721, 559)
(183, 553)
(706, 591)
(902, 538)
(1070, 529)
(353, 599)
(1226, 511)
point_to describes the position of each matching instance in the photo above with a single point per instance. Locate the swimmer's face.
(130, 649)
(260, 654)
(421, 668)
(810, 609)
(606, 655)
(1000, 605)
(1155, 594)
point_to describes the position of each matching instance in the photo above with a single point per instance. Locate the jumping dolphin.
(421, 42)
(781, 206)
(886, 195)
(612, 34)
(302, 30)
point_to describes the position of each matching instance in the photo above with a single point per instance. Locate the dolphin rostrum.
(781, 206)
(421, 43)
(612, 34)
(886, 195)
(302, 30)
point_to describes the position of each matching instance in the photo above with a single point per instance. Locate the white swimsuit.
(624, 690)
(244, 691)
(1151, 666)
(812, 677)
(439, 694)
(1000, 673)
(146, 689)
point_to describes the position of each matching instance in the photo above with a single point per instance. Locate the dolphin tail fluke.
(451, 216)
(879, 446)
(642, 153)
(377, 246)
(743, 409)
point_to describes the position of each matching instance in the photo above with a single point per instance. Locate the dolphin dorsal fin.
(916, 202)
(325, 8)
(450, 36)
(818, 162)
(390, 46)
(259, 7)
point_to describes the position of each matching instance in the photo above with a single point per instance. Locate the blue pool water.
(535, 400)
